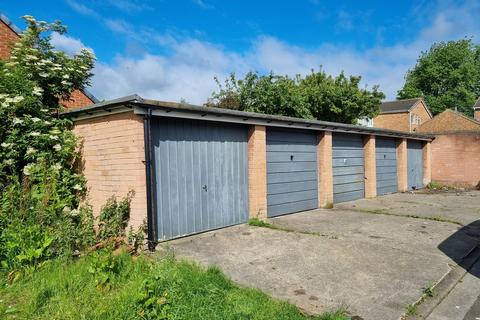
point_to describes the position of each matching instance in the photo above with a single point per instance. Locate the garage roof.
(182, 110)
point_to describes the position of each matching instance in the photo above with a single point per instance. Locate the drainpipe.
(151, 217)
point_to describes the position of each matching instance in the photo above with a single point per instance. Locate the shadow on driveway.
(466, 239)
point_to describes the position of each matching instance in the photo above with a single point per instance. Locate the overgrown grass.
(139, 288)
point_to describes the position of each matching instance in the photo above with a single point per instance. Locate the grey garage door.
(348, 167)
(200, 176)
(415, 164)
(291, 172)
(386, 159)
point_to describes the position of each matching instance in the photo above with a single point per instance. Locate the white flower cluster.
(9, 100)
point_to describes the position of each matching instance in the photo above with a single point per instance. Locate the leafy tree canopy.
(446, 76)
(315, 96)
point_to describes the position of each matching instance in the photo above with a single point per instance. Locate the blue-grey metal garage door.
(386, 163)
(291, 172)
(415, 164)
(200, 176)
(348, 167)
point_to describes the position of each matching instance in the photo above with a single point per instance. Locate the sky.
(173, 50)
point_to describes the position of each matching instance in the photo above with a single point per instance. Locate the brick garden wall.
(456, 159)
(113, 155)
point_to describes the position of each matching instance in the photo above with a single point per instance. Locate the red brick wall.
(392, 121)
(456, 159)
(419, 110)
(113, 155)
(77, 99)
(7, 37)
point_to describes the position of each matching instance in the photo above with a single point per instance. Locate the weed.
(142, 287)
(329, 205)
(259, 223)
(411, 309)
(432, 218)
(104, 267)
(429, 290)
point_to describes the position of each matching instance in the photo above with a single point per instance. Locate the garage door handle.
(205, 188)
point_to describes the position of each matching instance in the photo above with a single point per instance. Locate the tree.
(40, 187)
(315, 96)
(446, 76)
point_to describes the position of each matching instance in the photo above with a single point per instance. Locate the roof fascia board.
(392, 112)
(187, 114)
(99, 113)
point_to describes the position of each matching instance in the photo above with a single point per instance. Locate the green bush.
(40, 186)
(114, 217)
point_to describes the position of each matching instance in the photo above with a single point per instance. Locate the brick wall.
(257, 172)
(392, 121)
(77, 99)
(370, 167)
(476, 114)
(325, 169)
(402, 168)
(419, 110)
(401, 121)
(113, 155)
(449, 121)
(456, 159)
(7, 38)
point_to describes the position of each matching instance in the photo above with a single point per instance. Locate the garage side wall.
(456, 159)
(113, 161)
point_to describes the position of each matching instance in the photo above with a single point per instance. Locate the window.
(415, 119)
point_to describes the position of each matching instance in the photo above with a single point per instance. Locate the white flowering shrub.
(39, 186)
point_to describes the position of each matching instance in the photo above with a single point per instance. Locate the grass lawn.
(105, 286)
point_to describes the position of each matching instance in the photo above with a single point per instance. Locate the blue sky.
(172, 50)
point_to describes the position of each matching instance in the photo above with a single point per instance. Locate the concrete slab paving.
(375, 265)
(461, 302)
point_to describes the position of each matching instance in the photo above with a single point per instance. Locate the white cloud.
(67, 44)
(202, 4)
(189, 68)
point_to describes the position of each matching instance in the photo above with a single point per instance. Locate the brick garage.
(456, 159)
(177, 158)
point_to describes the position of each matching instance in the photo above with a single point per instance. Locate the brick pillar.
(370, 167)
(402, 174)
(257, 172)
(325, 169)
(427, 163)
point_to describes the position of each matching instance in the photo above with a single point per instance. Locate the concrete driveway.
(373, 257)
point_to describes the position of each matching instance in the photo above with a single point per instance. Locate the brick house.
(456, 147)
(403, 115)
(450, 121)
(9, 33)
